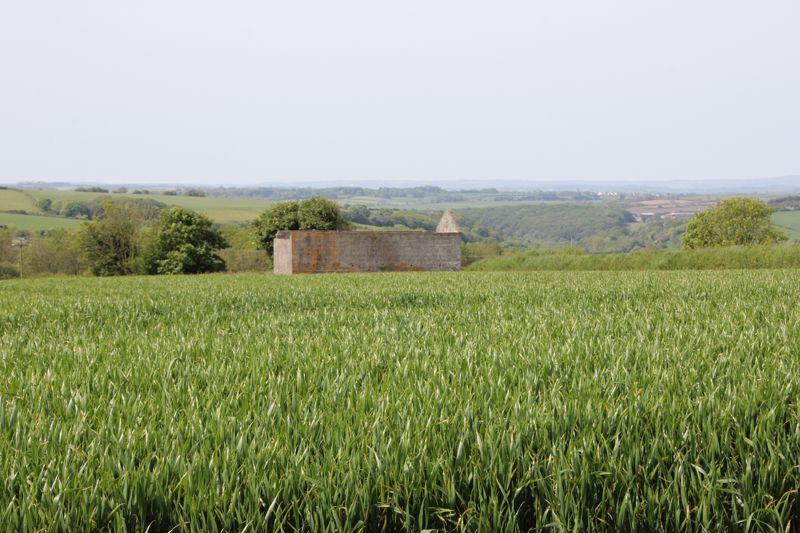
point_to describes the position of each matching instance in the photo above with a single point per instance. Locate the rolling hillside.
(37, 222)
(16, 200)
(788, 221)
(23, 204)
(218, 209)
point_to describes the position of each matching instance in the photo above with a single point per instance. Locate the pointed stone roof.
(448, 223)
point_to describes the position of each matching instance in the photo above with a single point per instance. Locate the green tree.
(315, 213)
(54, 252)
(358, 213)
(282, 215)
(148, 208)
(321, 214)
(88, 210)
(45, 204)
(110, 244)
(738, 221)
(184, 242)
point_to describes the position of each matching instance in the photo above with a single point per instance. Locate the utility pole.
(20, 242)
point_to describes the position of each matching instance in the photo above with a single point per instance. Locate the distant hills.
(765, 186)
(768, 186)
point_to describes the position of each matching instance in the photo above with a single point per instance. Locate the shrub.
(8, 272)
(184, 242)
(242, 260)
(731, 257)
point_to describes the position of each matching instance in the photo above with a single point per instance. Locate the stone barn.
(310, 251)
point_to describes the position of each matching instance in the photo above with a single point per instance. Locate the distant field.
(465, 401)
(216, 208)
(37, 222)
(11, 199)
(15, 200)
(788, 221)
(411, 203)
(223, 209)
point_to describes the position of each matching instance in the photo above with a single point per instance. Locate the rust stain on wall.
(367, 251)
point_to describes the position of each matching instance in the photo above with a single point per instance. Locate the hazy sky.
(241, 92)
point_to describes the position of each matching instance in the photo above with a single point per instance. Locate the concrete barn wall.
(370, 251)
(282, 253)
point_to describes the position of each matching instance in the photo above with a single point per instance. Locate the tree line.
(140, 237)
(148, 208)
(117, 242)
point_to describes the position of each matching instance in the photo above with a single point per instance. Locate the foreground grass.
(493, 401)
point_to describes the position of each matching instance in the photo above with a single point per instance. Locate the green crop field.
(468, 401)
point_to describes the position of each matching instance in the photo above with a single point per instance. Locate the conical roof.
(448, 223)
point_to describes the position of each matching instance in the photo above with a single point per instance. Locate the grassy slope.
(491, 401)
(37, 222)
(733, 257)
(788, 221)
(15, 200)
